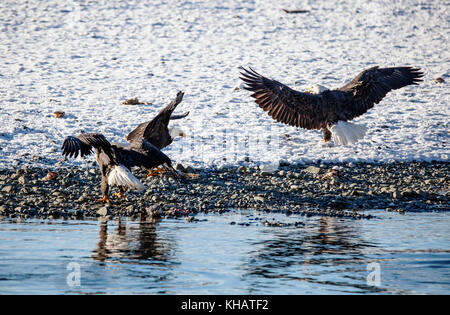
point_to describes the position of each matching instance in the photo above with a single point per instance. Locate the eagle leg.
(326, 134)
(105, 189)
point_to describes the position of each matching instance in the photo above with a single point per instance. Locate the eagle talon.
(105, 199)
(151, 173)
(156, 172)
(119, 195)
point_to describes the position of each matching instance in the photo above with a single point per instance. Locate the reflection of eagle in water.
(329, 110)
(115, 162)
(156, 131)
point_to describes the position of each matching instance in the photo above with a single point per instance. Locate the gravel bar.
(339, 190)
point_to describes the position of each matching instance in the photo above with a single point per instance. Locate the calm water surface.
(397, 253)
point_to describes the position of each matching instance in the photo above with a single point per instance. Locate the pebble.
(104, 211)
(22, 180)
(314, 170)
(258, 198)
(241, 169)
(284, 163)
(7, 189)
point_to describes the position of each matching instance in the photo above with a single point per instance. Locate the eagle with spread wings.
(115, 162)
(329, 110)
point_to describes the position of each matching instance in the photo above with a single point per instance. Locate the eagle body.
(142, 153)
(323, 109)
(156, 131)
(115, 162)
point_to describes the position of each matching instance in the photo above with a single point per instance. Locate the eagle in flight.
(329, 110)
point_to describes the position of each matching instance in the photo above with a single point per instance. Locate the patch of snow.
(86, 57)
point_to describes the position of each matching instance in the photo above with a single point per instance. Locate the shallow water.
(407, 253)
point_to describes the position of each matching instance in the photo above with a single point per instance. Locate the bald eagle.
(329, 110)
(156, 131)
(115, 162)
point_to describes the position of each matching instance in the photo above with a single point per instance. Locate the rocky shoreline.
(343, 190)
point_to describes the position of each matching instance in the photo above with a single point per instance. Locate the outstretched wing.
(156, 131)
(82, 144)
(284, 104)
(371, 86)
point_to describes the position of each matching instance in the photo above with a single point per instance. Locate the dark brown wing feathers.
(156, 131)
(281, 102)
(315, 111)
(371, 86)
(83, 144)
(72, 147)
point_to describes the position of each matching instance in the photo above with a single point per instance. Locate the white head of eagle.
(316, 89)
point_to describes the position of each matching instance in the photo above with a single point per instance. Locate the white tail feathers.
(121, 176)
(345, 133)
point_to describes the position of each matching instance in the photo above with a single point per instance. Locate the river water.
(231, 253)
